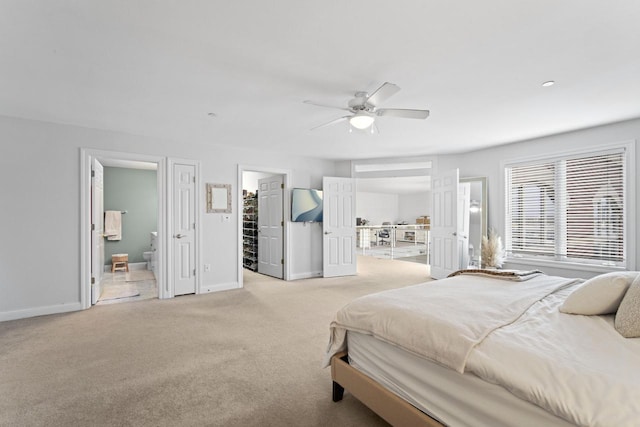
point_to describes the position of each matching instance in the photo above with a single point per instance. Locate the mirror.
(218, 198)
(477, 217)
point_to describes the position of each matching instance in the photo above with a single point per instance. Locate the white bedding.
(441, 320)
(454, 399)
(576, 367)
(511, 334)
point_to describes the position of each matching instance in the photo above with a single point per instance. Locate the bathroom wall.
(133, 190)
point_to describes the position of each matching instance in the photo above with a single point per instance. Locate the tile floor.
(141, 280)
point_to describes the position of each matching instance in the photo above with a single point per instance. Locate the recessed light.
(548, 83)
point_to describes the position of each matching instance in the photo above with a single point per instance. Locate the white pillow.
(627, 320)
(599, 295)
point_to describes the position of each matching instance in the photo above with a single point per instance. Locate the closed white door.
(184, 223)
(97, 229)
(339, 227)
(444, 225)
(270, 226)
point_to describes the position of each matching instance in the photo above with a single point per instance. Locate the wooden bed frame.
(393, 409)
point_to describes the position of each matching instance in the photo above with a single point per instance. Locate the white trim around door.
(86, 158)
(286, 173)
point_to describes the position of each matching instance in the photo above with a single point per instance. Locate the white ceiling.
(156, 68)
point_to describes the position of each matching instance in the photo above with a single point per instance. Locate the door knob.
(180, 236)
(327, 232)
(454, 233)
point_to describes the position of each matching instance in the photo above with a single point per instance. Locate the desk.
(367, 235)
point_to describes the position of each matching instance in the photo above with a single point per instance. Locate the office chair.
(384, 233)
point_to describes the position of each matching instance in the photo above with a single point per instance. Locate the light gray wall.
(250, 180)
(40, 188)
(134, 191)
(377, 208)
(412, 206)
(487, 163)
(40, 211)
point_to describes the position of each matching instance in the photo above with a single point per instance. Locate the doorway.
(392, 217)
(129, 203)
(90, 259)
(263, 211)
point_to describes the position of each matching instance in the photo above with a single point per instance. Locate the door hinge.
(282, 186)
(194, 271)
(93, 227)
(93, 280)
(282, 261)
(93, 174)
(194, 179)
(282, 223)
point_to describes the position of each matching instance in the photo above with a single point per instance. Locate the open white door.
(270, 226)
(97, 229)
(444, 225)
(464, 203)
(339, 227)
(184, 223)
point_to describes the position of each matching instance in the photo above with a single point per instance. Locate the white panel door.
(97, 229)
(444, 225)
(184, 222)
(464, 203)
(270, 226)
(339, 227)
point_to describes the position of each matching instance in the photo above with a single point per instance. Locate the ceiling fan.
(364, 108)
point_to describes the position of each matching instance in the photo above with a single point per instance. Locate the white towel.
(113, 225)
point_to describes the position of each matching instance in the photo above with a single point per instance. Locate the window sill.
(594, 268)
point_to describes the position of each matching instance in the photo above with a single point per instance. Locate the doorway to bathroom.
(130, 231)
(129, 191)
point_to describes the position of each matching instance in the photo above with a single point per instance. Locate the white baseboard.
(205, 289)
(39, 311)
(132, 266)
(306, 275)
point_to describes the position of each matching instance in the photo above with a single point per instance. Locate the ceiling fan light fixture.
(361, 120)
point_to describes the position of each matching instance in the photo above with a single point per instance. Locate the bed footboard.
(387, 405)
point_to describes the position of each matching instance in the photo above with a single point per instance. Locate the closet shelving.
(250, 230)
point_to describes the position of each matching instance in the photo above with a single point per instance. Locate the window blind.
(568, 209)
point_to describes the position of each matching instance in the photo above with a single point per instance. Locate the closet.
(250, 230)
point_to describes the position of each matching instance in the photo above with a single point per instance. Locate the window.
(568, 209)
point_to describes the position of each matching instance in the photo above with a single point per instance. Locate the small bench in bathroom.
(119, 262)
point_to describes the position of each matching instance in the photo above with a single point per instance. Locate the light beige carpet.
(112, 292)
(246, 357)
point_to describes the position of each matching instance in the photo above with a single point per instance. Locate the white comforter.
(441, 320)
(576, 367)
(512, 334)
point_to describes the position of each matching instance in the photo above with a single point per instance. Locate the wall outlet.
(207, 268)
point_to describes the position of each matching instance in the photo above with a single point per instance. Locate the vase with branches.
(492, 252)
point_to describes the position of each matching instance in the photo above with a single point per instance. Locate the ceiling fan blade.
(382, 93)
(331, 122)
(407, 114)
(324, 105)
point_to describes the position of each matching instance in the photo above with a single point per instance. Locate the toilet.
(148, 256)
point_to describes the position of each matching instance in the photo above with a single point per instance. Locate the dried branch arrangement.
(492, 253)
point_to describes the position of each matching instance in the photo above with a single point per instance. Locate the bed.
(478, 349)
